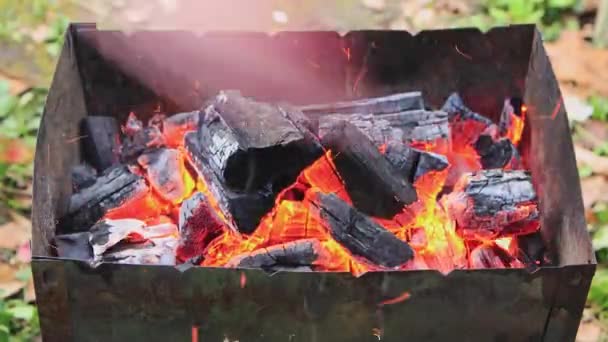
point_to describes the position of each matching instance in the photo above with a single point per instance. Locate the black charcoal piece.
(360, 234)
(83, 176)
(242, 210)
(141, 141)
(253, 145)
(374, 185)
(198, 225)
(166, 173)
(497, 154)
(490, 256)
(492, 203)
(376, 105)
(113, 188)
(456, 109)
(100, 141)
(413, 163)
(285, 256)
(407, 127)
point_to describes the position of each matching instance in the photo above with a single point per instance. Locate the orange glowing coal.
(425, 225)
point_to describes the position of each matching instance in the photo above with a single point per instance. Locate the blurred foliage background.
(31, 38)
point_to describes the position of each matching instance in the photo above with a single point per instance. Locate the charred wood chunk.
(176, 126)
(374, 185)
(110, 190)
(492, 256)
(497, 154)
(407, 127)
(493, 203)
(100, 141)
(289, 255)
(156, 251)
(83, 176)
(74, 246)
(198, 225)
(457, 110)
(359, 234)
(108, 236)
(377, 105)
(430, 161)
(242, 210)
(252, 145)
(532, 250)
(413, 163)
(142, 140)
(166, 173)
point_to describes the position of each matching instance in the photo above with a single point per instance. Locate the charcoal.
(377, 105)
(132, 125)
(407, 127)
(166, 173)
(457, 110)
(100, 141)
(491, 256)
(430, 161)
(497, 154)
(156, 251)
(141, 141)
(242, 210)
(111, 189)
(413, 163)
(176, 126)
(198, 225)
(107, 233)
(492, 203)
(252, 145)
(374, 185)
(74, 246)
(359, 234)
(83, 176)
(532, 250)
(296, 254)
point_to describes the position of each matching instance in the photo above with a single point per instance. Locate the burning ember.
(366, 185)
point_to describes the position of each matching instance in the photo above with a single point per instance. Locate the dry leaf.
(29, 294)
(577, 62)
(595, 189)
(9, 284)
(589, 332)
(599, 165)
(15, 233)
(15, 151)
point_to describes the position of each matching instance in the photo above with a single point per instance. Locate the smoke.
(192, 64)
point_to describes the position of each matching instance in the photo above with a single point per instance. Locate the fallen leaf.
(595, 189)
(589, 332)
(24, 253)
(577, 109)
(16, 232)
(9, 284)
(579, 63)
(15, 151)
(29, 294)
(598, 164)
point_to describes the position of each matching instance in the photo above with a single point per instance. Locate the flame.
(425, 224)
(516, 130)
